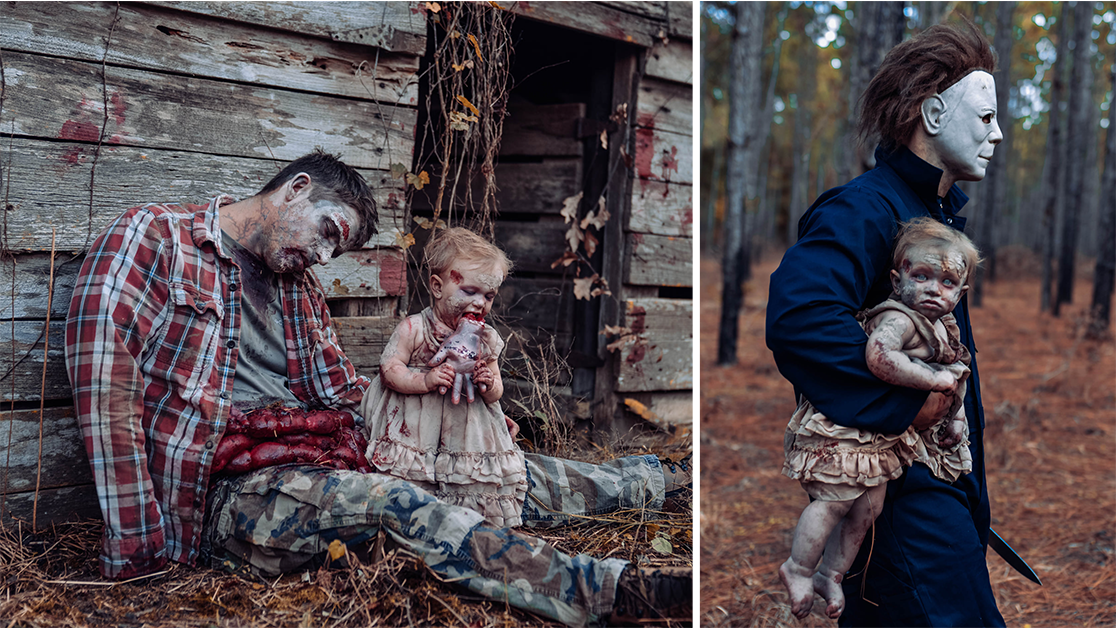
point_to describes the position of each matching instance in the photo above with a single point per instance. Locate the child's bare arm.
(891, 335)
(393, 364)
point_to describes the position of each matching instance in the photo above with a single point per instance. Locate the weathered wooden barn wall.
(177, 102)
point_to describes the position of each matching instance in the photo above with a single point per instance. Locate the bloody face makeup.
(307, 233)
(931, 280)
(465, 289)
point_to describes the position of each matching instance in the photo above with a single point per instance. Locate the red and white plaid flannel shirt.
(152, 340)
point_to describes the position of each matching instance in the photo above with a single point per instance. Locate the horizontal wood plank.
(363, 339)
(50, 188)
(662, 359)
(367, 273)
(542, 130)
(533, 246)
(536, 303)
(393, 26)
(672, 61)
(163, 40)
(55, 505)
(664, 156)
(677, 13)
(60, 99)
(596, 19)
(661, 208)
(522, 188)
(22, 376)
(64, 462)
(659, 260)
(666, 106)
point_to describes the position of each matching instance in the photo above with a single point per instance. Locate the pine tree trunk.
(1104, 275)
(1077, 137)
(1052, 169)
(744, 71)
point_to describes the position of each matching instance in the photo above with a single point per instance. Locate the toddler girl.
(913, 341)
(458, 446)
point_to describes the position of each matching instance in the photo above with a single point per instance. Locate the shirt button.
(233, 287)
(209, 444)
(225, 395)
(230, 344)
(949, 221)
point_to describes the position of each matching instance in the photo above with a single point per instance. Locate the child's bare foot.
(800, 587)
(827, 583)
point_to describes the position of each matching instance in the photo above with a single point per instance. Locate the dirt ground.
(1050, 406)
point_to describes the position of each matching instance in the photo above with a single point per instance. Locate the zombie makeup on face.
(466, 289)
(931, 280)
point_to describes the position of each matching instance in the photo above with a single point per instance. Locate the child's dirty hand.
(482, 376)
(513, 427)
(440, 377)
(945, 382)
(953, 433)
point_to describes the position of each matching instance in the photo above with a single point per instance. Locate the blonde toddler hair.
(456, 243)
(925, 230)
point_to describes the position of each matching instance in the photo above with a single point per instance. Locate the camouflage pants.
(282, 519)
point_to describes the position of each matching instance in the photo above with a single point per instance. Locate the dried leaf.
(662, 545)
(418, 180)
(468, 105)
(591, 243)
(583, 287)
(574, 236)
(398, 170)
(457, 67)
(619, 343)
(455, 34)
(495, 6)
(620, 116)
(337, 549)
(434, 7)
(426, 223)
(476, 47)
(404, 240)
(569, 207)
(616, 330)
(567, 258)
(459, 121)
(626, 157)
(604, 139)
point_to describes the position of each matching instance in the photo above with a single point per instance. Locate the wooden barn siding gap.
(49, 187)
(633, 23)
(401, 25)
(195, 45)
(59, 99)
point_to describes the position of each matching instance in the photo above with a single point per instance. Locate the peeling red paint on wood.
(645, 139)
(637, 320)
(393, 275)
(81, 131)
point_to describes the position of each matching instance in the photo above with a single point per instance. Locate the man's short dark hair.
(916, 69)
(332, 180)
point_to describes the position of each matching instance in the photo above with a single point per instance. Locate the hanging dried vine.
(465, 104)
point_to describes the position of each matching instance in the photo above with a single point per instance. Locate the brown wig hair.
(915, 70)
(448, 245)
(925, 230)
(332, 180)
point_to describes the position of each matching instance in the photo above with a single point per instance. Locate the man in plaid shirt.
(180, 311)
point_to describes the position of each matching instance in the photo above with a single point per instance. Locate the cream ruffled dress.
(837, 463)
(461, 453)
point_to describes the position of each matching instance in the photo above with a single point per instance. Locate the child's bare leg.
(815, 526)
(842, 547)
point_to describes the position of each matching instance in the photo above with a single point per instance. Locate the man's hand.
(932, 411)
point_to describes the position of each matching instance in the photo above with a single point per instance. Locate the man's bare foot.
(827, 583)
(800, 587)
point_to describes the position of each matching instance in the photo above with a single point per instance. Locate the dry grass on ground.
(1050, 407)
(50, 578)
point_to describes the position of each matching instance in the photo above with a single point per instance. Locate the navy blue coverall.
(927, 565)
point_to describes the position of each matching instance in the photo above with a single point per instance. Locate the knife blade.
(997, 543)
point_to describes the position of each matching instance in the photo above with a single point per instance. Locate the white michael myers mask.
(962, 128)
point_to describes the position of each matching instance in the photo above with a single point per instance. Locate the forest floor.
(1050, 405)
